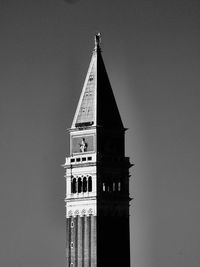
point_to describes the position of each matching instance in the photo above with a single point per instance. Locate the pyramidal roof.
(97, 106)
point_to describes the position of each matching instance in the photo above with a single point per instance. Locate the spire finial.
(97, 40)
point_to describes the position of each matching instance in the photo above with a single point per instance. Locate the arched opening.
(104, 187)
(73, 188)
(84, 184)
(114, 187)
(119, 186)
(90, 184)
(111, 186)
(79, 185)
(107, 188)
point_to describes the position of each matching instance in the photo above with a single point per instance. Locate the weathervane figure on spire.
(97, 40)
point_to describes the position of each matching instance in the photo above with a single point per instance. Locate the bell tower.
(97, 176)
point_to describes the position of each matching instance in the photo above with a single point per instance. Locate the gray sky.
(151, 51)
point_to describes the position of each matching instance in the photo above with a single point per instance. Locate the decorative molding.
(90, 211)
(76, 212)
(81, 212)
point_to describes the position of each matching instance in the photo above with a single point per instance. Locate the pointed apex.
(97, 41)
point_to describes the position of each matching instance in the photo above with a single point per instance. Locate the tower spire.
(97, 105)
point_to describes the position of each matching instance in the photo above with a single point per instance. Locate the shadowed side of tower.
(97, 176)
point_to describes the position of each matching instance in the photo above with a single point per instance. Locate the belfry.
(97, 176)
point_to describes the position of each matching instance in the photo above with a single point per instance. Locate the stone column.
(93, 242)
(68, 240)
(86, 241)
(76, 241)
(79, 241)
(89, 240)
(83, 237)
(73, 239)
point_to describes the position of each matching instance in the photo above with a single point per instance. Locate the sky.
(151, 52)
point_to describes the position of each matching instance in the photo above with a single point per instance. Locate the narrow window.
(90, 184)
(72, 224)
(72, 244)
(79, 185)
(108, 187)
(73, 188)
(116, 186)
(113, 187)
(104, 187)
(119, 186)
(84, 184)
